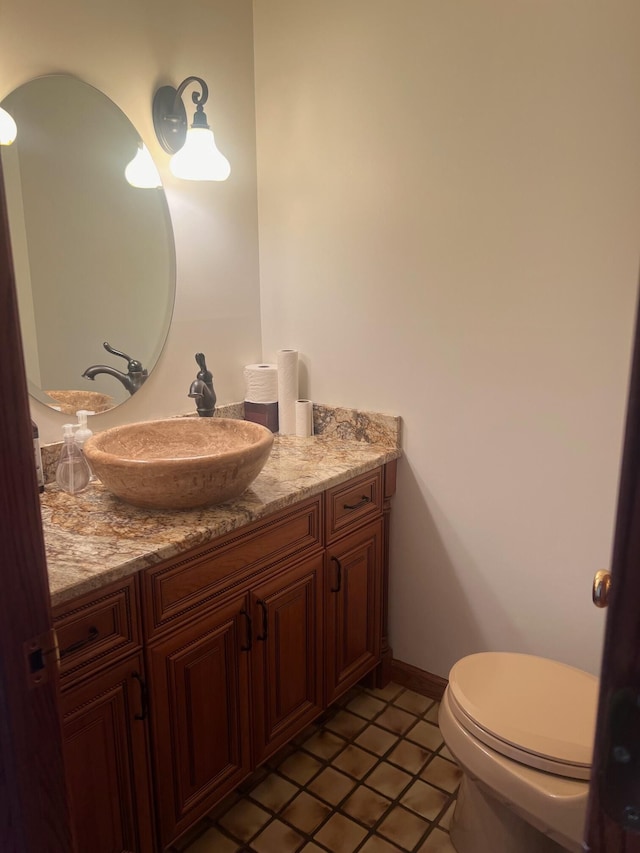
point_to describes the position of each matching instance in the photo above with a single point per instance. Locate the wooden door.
(353, 584)
(286, 671)
(198, 679)
(107, 756)
(34, 816)
(613, 823)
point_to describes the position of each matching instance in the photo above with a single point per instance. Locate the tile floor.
(372, 775)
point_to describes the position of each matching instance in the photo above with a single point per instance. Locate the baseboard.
(417, 679)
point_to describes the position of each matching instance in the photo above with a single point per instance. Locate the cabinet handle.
(362, 502)
(265, 621)
(247, 648)
(144, 697)
(92, 636)
(338, 586)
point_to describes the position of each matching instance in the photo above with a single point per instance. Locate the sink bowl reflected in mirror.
(69, 402)
(181, 463)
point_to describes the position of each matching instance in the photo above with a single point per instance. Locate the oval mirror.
(94, 256)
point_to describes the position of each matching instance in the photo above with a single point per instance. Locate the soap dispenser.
(81, 433)
(73, 472)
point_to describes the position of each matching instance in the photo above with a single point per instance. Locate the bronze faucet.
(202, 389)
(132, 380)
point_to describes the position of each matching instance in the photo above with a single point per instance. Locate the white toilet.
(521, 728)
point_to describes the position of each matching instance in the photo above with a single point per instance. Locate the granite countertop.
(92, 539)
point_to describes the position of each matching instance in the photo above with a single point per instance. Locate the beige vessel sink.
(179, 463)
(69, 402)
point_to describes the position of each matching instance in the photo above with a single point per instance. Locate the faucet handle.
(204, 374)
(134, 366)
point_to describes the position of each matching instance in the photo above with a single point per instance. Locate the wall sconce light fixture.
(195, 155)
(142, 172)
(8, 128)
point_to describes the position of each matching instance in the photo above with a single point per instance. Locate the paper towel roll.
(287, 361)
(261, 383)
(304, 418)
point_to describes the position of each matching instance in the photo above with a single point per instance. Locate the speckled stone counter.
(92, 538)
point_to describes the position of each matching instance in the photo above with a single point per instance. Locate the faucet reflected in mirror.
(202, 389)
(132, 380)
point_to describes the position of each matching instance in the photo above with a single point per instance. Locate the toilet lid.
(537, 711)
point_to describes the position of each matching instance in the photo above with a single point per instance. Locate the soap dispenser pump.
(73, 472)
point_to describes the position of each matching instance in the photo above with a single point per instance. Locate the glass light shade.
(8, 128)
(141, 172)
(199, 159)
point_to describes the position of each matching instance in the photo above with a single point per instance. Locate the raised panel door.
(354, 612)
(200, 714)
(106, 754)
(287, 677)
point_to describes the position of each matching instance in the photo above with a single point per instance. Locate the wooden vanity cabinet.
(199, 678)
(104, 710)
(246, 639)
(353, 581)
(287, 674)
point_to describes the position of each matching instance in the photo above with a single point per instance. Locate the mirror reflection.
(93, 256)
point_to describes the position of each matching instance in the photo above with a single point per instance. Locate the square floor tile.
(424, 800)
(413, 702)
(432, 715)
(388, 780)
(442, 773)
(213, 841)
(395, 720)
(409, 756)
(426, 734)
(437, 842)
(346, 724)
(386, 694)
(354, 761)
(274, 792)
(366, 805)
(300, 767)
(312, 848)
(340, 834)
(277, 838)
(324, 744)
(445, 820)
(403, 828)
(244, 820)
(366, 706)
(376, 740)
(331, 785)
(375, 844)
(444, 752)
(306, 813)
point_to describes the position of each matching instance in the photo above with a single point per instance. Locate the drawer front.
(353, 503)
(176, 587)
(97, 629)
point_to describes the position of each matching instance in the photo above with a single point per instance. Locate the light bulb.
(8, 128)
(141, 172)
(199, 159)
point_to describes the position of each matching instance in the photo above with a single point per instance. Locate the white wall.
(127, 48)
(449, 210)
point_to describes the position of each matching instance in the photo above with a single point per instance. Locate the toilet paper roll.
(261, 383)
(304, 418)
(287, 362)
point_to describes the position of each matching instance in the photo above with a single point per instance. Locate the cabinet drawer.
(176, 587)
(97, 629)
(353, 503)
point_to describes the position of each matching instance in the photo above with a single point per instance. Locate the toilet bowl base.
(482, 824)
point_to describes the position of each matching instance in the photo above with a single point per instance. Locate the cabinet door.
(287, 677)
(200, 714)
(354, 613)
(106, 753)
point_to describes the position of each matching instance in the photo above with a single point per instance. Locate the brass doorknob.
(601, 588)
